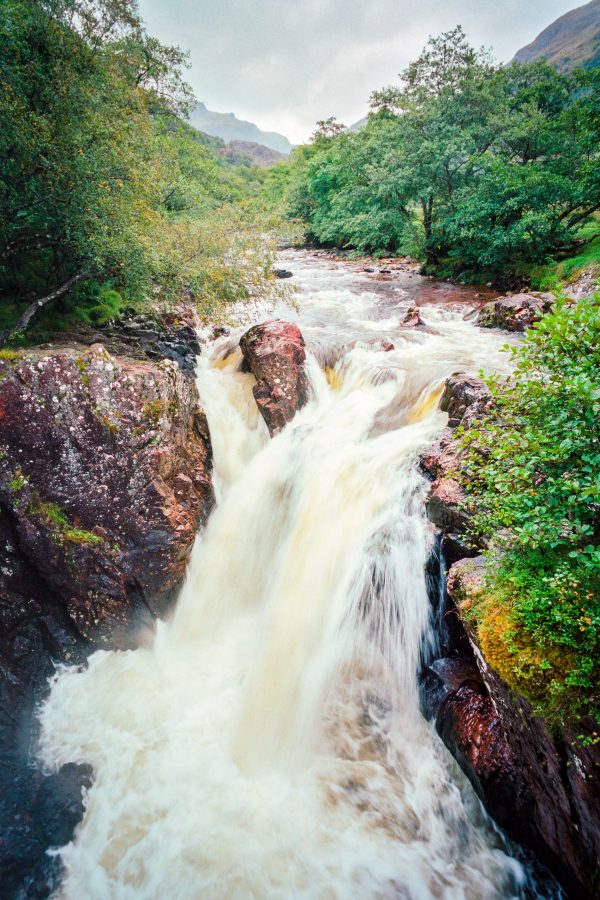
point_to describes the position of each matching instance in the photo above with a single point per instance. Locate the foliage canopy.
(103, 187)
(473, 166)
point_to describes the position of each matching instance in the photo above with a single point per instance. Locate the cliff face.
(571, 42)
(105, 477)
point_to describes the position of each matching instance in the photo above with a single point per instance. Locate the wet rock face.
(461, 393)
(105, 468)
(36, 811)
(274, 353)
(514, 313)
(464, 399)
(543, 791)
(412, 317)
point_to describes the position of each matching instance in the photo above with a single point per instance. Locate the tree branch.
(37, 305)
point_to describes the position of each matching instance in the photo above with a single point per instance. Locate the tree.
(481, 168)
(327, 128)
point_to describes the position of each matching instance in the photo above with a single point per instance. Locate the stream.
(269, 743)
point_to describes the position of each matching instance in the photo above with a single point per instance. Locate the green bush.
(532, 470)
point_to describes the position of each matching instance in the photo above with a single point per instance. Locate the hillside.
(571, 42)
(240, 152)
(228, 127)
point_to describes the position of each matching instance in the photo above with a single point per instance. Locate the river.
(269, 743)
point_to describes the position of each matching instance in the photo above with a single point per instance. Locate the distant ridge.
(250, 152)
(572, 41)
(228, 127)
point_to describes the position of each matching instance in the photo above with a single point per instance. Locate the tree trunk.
(427, 206)
(37, 305)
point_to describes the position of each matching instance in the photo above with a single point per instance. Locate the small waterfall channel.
(269, 743)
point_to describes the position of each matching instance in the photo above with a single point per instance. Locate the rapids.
(269, 744)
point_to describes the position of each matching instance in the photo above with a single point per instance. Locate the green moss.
(106, 421)
(555, 273)
(81, 536)
(17, 483)
(154, 410)
(57, 516)
(82, 366)
(8, 355)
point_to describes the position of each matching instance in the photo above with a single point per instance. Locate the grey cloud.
(285, 64)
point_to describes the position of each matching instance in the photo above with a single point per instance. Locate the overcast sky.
(283, 64)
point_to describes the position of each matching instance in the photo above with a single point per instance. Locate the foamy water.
(269, 744)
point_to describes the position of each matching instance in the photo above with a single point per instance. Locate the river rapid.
(269, 744)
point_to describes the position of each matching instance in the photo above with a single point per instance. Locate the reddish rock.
(464, 398)
(381, 344)
(544, 790)
(412, 318)
(94, 450)
(274, 353)
(441, 457)
(514, 313)
(446, 505)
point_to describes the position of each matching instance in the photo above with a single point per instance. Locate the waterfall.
(269, 743)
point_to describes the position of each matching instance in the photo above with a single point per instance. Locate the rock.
(544, 791)
(274, 353)
(100, 447)
(464, 398)
(104, 479)
(412, 318)
(381, 344)
(282, 273)
(514, 313)
(461, 392)
(173, 336)
(446, 505)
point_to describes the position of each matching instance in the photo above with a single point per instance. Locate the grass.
(556, 272)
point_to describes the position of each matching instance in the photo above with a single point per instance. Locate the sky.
(283, 64)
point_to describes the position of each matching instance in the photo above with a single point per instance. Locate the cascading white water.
(269, 744)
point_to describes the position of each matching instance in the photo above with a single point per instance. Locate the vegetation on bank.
(532, 473)
(480, 170)
(108, 199)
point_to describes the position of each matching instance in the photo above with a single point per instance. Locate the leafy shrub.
(532, 470)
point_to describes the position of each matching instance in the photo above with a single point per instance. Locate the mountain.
(239, 152)
(356, 126)
(570, 42)
(230, 128)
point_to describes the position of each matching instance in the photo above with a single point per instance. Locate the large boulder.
(274, 353)
(105, 469)
(515, 312)
(104, 480)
